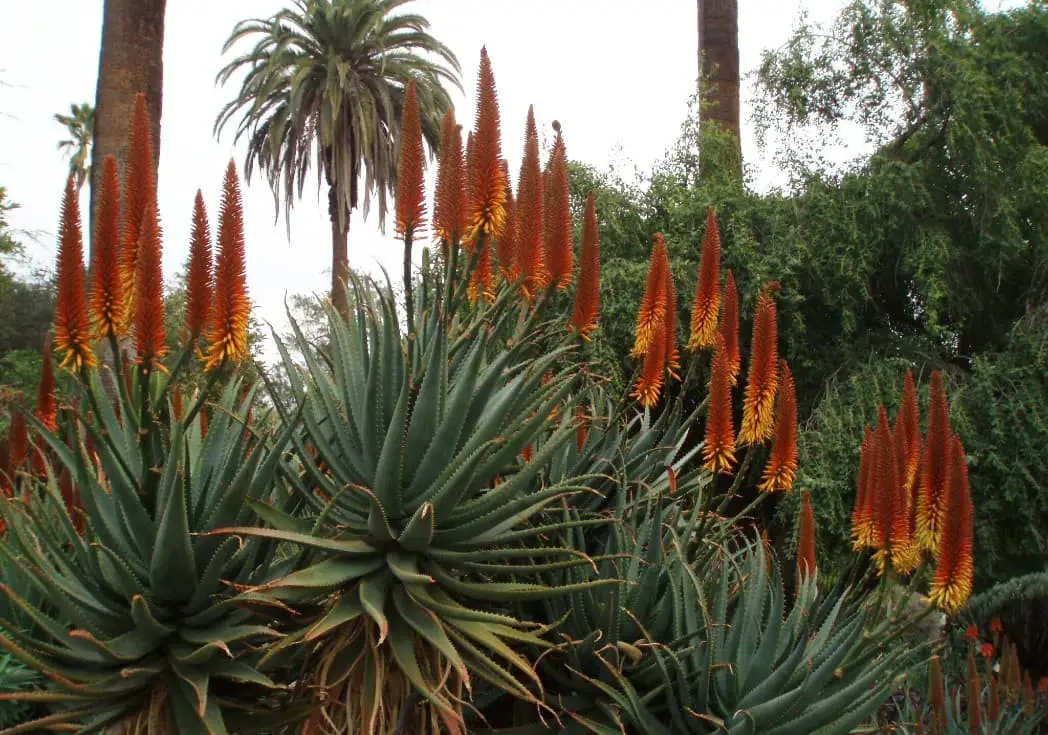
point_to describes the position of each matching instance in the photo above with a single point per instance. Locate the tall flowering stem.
(705, 311)
(729, 327)
(107, 288)
(806, 538)
(718, 451)
(862, 515)
(488, 195)
(560, 246)
(139, 191)
(46, 405)
(231, 309)
(781, 469)
(934, 468)
(72, 327)
(654, 303)
(410, 209)
(200, 277)
(763, 379)
(660, 355)
(885, 493)
(955, 571)
(451, 205)
(150, 337)
(587, 293)
(506, 244)
(529, 262)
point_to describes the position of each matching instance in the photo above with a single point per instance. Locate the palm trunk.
(719, 65)
(131, 61)
(339, 255)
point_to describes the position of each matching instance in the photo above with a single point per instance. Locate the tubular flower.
(906, 554)
(908, 424)
(488, 196)
(655, 302)
(934, 468)
(227, 335)
(410, 210)
(560, 246)
(46, 408)
(150, 338)
(72, 329)
(729, 327)
(706, 309)
(861, 515)
(763, 380)
(528, 262)
(199, 278)
(506, 244)
(107, 289)
(139, 190)
(954, 571)
(718, 451)
(782, 465)
(806, 538)
(662, 357)
(587, 292)
(451, 208)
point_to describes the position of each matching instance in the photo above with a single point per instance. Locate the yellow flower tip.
(705, 311)
(781, 470)
(763, 379)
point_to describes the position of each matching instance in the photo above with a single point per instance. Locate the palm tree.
(80, 126)
(719, 63)
(328, 77)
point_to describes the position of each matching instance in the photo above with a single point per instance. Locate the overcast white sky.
(616, 73)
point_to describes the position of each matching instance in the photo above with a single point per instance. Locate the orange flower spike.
(763, 379)
(488, 198)
(150, 337)
(933, 481)
(705, 312)
(107, 288)
(200, 278)
(653, 373)
(654, 303)
(587, 291)
(806, 538)
(451, 206)
(410, 209)
(46, 407)
(139, 190)
(582, 427)
(860, 515)
(669, 329)
(718, 452)
(560, 246)
(886, 479)
(937, 692)
(72, 328)
(781, 469)
(231, 310)
(729, 327)
(955, 571)
(529, 262)
(507, 242)
(481, 283)
(906, 554)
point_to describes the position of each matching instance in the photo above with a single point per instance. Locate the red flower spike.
(763, 379)
(560, 246)
(410, 210)
(705, 312)
(482, 281)
(654, 303)
(934, 468)
(199, 278)
(231, 310)
(72, 328)
(955, 571)
(669, 328)
(653, 373)
(661, 357)
(729, 327)
(46, 407)
(150, 338)
(488, 192)
(139, 191)
(451, 207)
(986, 649)
(781, 469)
(718, 452)
(806, 539)
(885, 479)
(529, 262)
(909, 421)
(582, 430)
(971, 632)
(587, 292)
(107, 288)
(862, 520)
(7, 474)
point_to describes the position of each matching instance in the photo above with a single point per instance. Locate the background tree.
(719, 66)
(131, 61)
(326, 79)
(80, 125)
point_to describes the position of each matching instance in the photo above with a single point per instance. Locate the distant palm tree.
(80, 126)
(331, 75)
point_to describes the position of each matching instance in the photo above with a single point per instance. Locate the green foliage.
(1021, 605)
(15, 677)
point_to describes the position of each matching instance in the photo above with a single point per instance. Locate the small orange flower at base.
(763, 380)
(150, 337)
(410, 174)
(705, 312)
(806, 539)
(107, 288)
(231, 309)
(781, 469)
(587, 292)
(488, 195)
(72, 327)
(718, 452)
(955, 572)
